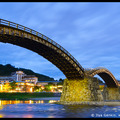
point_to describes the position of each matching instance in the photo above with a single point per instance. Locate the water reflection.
(47, 109)
(6, 102)
(1, 115)
(13, 108)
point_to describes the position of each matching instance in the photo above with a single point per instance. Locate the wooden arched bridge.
(16, 34)
(105, 74)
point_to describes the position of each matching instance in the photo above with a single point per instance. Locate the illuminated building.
(53, 85)
(22, 80)
(26, 83)
(18, 76)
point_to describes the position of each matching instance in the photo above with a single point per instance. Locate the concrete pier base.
(86, 89)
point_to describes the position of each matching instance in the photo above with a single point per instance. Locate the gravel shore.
(46, 98)
(102, 103)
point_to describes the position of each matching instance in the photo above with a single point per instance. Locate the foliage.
(25, 95)
(37, 89)
(47, 88)
(60, 83)
(13, 85)
(25, 87)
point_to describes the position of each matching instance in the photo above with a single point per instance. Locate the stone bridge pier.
(87, 89)
(110, 93)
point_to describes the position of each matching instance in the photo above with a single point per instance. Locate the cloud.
(89, 31)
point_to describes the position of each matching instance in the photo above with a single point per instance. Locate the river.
(47, 108)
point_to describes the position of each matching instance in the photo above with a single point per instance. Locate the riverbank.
(22, 96)
(53, 96)
(46, 98)
(90, 103)
(96, 103)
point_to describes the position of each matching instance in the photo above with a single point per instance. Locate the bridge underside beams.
(50, 54)
(108, 79)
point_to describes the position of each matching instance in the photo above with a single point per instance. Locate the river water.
(46, 108)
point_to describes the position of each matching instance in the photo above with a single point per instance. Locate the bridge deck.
(25, 37)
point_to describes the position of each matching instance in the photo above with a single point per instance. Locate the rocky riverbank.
(97, 103)
(46, 98)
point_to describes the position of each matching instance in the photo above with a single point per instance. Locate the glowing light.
(28, 116)
(41, 101)
(31, 89)
(30, 101)
(1, 115)
(52, 101)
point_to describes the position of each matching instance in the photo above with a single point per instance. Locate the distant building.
(5, 79)
(19, 76)
(55, 86)
(26, 83)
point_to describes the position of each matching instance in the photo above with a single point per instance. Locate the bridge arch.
(16, 34)
(105, 74)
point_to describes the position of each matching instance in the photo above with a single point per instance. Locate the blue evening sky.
(89, 31)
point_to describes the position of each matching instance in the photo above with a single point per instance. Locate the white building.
(19, 76)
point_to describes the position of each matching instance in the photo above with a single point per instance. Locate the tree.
(6, 87)
(50, 83)
(25, 88)
(37, 89)
(62, 80)
(13, 85)
(47, 88)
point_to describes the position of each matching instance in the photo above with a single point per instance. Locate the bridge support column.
(111, 93)
(86, 89)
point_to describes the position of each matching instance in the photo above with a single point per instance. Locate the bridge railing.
(97, 68)
(26, 29)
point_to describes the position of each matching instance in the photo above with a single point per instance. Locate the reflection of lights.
(1, 107)
(51, 116)
(39, 101)
(30, 101)
(42, 101)
(1, 115)
(5, 102)
(28, 116)
(52, 101)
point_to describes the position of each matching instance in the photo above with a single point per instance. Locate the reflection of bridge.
(25, 37)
